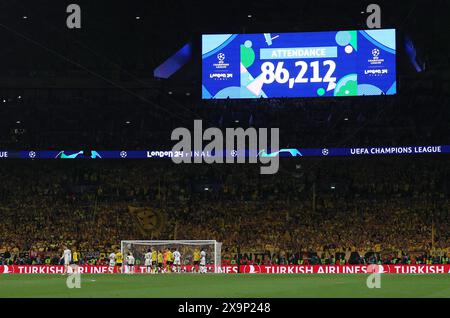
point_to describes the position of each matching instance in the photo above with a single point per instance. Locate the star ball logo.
(375, 52)
(221, 61)
(375, 58)
(123, 154)
(32, 154)
(325, 152)
(221, 57)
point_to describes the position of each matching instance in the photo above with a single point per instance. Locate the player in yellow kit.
(154, 260)
(75, 257)
(169, 260)
(196, 259)
(119, 261)
(160, 261)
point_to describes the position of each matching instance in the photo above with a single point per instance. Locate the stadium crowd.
(386, 210)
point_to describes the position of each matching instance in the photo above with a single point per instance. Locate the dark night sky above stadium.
(112, 31)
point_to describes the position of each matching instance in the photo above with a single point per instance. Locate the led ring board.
(312, 64)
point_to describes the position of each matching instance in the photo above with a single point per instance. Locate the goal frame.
(217, 247)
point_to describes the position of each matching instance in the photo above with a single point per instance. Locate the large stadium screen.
(313, 64)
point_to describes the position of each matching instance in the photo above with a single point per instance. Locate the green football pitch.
(225, 285)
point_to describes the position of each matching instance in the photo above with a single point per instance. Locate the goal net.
(187, 249)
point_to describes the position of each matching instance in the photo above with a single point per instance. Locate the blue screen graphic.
(313, 64)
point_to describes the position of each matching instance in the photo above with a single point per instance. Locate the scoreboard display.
(312, 64)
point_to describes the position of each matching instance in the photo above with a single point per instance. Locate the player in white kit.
(148, 261)
(203, 262)
(130, 263)
(112, 259)
(177, 261)
(67, 257)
